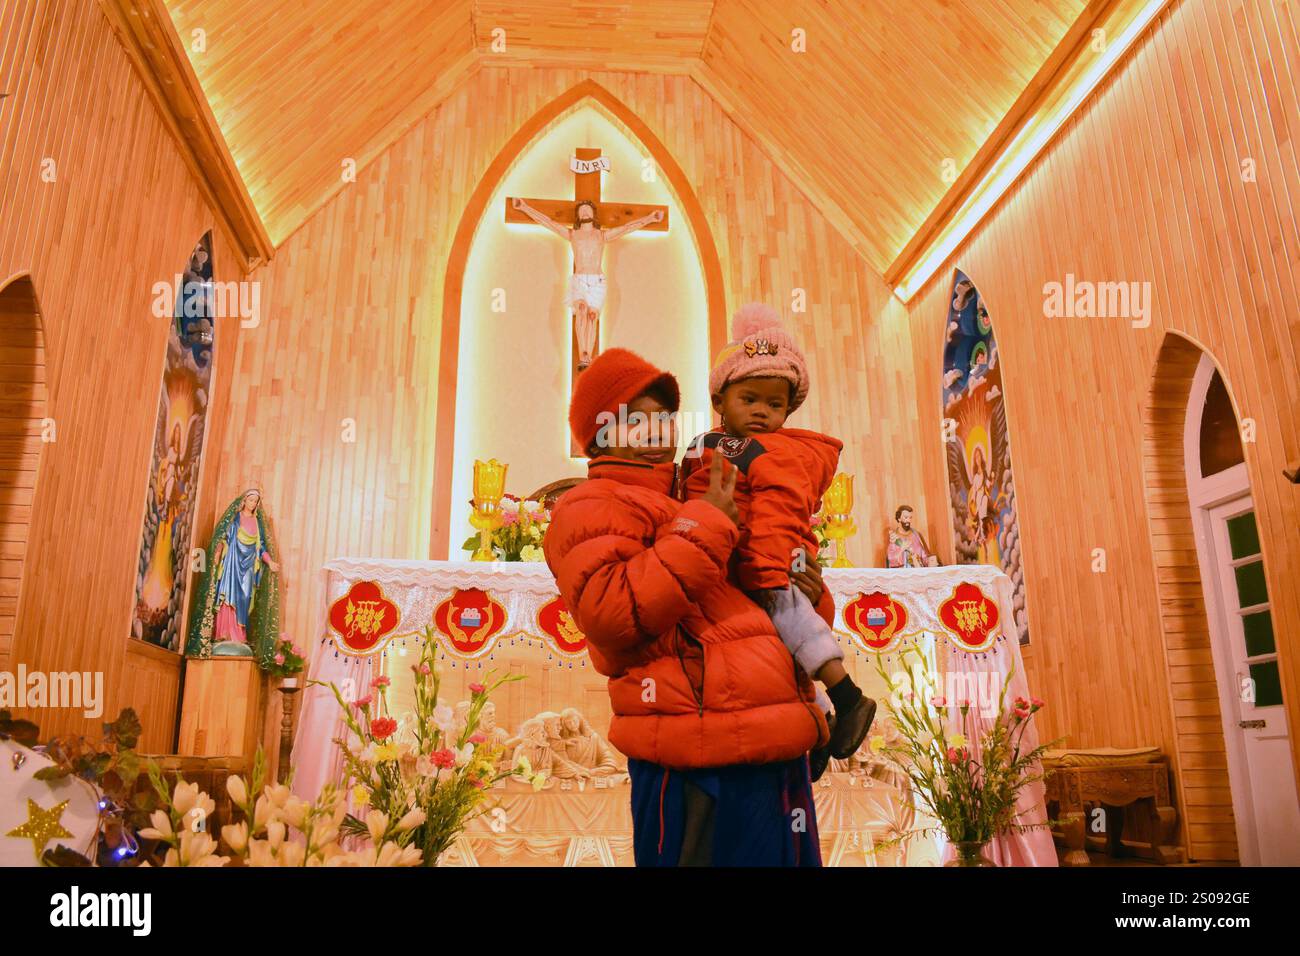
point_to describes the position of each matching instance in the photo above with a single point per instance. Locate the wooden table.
(1111, 780)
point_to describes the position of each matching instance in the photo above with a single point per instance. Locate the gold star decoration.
(42, 825)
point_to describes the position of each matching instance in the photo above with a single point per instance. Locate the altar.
(507, 617)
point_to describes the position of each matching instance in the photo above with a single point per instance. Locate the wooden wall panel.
(354, 300)
(96, 205)
(1145, 184)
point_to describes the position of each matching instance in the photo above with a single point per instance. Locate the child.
(717, 763)
(757, 381)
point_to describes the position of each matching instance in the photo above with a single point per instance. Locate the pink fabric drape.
(316, 760)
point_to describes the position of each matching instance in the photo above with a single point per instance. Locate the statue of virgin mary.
(237, 609)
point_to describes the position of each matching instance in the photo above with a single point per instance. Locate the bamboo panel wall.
(354, 301)
(23, 398)
(1144, 184)
(120, 213)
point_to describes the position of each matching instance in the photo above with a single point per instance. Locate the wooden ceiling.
(864, 120)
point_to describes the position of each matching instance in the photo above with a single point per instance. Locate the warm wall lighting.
(1017, 157)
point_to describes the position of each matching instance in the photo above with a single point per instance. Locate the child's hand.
(722, 489)
(809, 581)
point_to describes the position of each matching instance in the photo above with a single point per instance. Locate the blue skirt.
(742, 815)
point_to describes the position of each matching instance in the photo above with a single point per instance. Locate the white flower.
(509, 504)
(235, 835)
(531, 552)
(444, 718)
(377, 824)
(275, 833)
(199, 849)
(463, 754)
(237, 789)
(184, 797)
(390, 854)
(412, 820)
(162, 826)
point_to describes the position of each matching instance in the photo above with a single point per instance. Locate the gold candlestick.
(837, 504)
(489, 486)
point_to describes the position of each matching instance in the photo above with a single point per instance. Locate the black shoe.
(851, 728)
(819, 758)
(818, 761)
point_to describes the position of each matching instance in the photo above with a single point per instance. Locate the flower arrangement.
(973, 798)
(433, 775)
(520, 535)
(277, 828)
(287, 660)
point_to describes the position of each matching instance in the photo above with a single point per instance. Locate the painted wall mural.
(981, 486)
(162, 570)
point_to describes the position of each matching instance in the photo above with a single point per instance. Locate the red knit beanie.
(616, 377)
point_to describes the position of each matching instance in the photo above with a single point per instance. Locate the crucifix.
(587, 223)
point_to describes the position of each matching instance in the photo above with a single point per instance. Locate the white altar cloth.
(877, 610)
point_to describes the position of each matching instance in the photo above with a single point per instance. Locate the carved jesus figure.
(587, 284)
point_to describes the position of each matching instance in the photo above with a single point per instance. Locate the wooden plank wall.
(354, 298)
(120, 213)
(1144, 184)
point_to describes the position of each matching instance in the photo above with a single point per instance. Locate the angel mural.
(176, 459)
(978, 452)
(237, 608)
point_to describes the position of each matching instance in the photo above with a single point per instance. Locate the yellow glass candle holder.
(489, 487)
(837, 505)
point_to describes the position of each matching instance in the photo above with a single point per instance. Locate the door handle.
(1251, 724)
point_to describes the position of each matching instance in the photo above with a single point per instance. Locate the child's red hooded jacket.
(783, 476)
(697, 674)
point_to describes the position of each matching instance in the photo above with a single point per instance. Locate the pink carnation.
(279, 658)
(477, 738)
(382, 728)
(445, 757)
(362, 701)
(380, 682)
(477, 688)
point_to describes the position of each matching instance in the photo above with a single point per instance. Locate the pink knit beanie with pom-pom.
(760, 347)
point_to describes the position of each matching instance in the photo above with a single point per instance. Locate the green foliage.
(973, 798)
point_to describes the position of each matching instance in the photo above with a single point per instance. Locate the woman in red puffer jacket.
(708, 704)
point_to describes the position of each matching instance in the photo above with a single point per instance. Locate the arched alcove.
(1235, 779)
(24, 404)
(478, 206)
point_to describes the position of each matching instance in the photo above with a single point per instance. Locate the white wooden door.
(1264, 791)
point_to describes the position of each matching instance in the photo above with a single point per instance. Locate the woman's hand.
(722, 488)
(809, 581)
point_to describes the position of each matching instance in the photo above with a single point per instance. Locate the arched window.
(162, 571)
(24, 429)
(981, 487)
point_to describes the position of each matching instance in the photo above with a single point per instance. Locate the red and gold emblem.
(469, 619)
(555, 621)
(876, 619)
(363, 619)
(970, 617)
